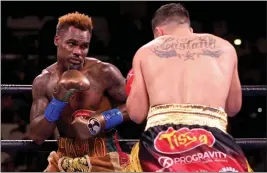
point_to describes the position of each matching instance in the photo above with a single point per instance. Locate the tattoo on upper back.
(191, 48)
(213, 54)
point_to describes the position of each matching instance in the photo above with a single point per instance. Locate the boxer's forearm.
(124, 112)
(114, 117)
(43, 126)
(41, 129)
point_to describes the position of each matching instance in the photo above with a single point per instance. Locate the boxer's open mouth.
(82, 113)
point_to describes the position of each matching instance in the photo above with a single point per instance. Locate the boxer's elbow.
(36, 135)
(136, 119)
(41, 129)
(231, 112)
(134, 113)
(36, 138)
(232, 108)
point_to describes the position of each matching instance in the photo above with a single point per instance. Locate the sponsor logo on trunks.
(165, 162)
(182, 140)
(206, 157)
(228, 169)
(94, 126)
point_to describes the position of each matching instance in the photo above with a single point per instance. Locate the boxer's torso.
(92, 99)
(196, 69)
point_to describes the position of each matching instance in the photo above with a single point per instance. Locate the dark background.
(120, 29)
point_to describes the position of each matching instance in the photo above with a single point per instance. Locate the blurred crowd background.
(120, 28)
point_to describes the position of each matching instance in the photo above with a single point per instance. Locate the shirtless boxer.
(185, 85)
(72, 89)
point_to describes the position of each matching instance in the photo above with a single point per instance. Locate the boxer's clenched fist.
(71, 81)
(80, 126)
(88, 128)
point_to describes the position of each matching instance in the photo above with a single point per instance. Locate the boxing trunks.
(99, 154)
(187, 138)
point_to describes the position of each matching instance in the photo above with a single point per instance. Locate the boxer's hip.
(187, 114)
(111, 162)
(98, 146)
(187, 138)
(101, 154)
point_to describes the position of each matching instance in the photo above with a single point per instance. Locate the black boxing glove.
(70, 82)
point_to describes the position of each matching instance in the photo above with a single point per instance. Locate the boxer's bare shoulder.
(41, 81)
(90, 61)
(188, 60)
(45, 82)
(52, 68)
(95, 65)
(39, 84)
(106, 71)
(187, 47)
(105, 77)
(112, 79)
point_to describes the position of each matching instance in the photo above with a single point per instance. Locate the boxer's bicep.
(38, 107)
(40, 128)
(39, 102)
(137, 102)
(116, 84)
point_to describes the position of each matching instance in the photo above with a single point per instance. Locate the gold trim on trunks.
(187, 114)
(134, 165)
(78, 164)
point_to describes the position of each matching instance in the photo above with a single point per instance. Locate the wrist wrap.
(54, 110)
(113, 118)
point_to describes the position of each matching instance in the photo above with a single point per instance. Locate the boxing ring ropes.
(50, 145)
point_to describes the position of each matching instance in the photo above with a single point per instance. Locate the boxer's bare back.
(199, 69)
(93, 99)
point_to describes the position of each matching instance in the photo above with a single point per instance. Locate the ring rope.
(51, 145)
(248, 90)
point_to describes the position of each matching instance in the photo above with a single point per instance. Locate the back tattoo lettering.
(190, 48)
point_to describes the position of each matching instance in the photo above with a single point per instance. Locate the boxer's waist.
(187, 114)
(98, 146)
(74, 148)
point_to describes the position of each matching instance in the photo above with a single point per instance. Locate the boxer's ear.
(158, 32)
(56, 40)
